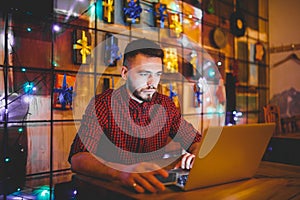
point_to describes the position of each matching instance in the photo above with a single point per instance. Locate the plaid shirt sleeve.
(92, 124)
(183, 131)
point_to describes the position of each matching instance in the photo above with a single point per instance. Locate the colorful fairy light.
(56, 28)
(29, 88)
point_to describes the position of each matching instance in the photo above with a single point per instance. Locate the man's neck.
(133, 97)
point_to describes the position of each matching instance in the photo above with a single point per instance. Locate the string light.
(29, 87)
(56, 28)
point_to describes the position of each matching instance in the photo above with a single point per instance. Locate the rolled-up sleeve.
(91, 128)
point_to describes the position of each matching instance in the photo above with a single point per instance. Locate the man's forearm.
(194, 148)
(88, 164)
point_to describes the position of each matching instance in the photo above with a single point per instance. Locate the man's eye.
(158, 74)
(143, 74)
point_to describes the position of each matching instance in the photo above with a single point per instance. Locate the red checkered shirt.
(119, 129)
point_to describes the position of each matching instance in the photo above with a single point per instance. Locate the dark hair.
(142, 46)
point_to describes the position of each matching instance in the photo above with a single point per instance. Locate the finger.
(162, 172)
(138, 188)
(183, 160)
(155, 182)
(143, 182)
(189, 161)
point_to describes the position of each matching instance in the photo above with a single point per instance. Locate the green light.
(23, 69)
(54, 63)
(42, 193)
(211, 73)
(29, 29)
(7, 159)
(20, 130)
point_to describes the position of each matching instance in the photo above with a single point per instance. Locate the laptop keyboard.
(174, 178)
(181, 180)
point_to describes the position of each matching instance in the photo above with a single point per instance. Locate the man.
(124, 131)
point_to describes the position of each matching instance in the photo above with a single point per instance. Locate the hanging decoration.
(160, 14)
(175, 25)
(197, 94)
(259, 51)
(111, 50)
(81, 47)
(210, 7)
(170, 90)
(237, 24)
(172, 93)
(64, 97)
(218, 38)
(170, 60)
(132, 11)
(108, 11)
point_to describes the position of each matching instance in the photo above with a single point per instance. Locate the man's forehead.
(146, 62)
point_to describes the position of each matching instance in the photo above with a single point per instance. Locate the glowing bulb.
(56, 28)
(44, 193)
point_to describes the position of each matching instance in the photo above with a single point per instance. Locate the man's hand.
(186, 161)
(188, 158)
(141, 177)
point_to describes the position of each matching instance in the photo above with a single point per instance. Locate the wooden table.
(272, 181)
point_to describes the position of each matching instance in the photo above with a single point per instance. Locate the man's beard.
(148, 97)
(138, 96)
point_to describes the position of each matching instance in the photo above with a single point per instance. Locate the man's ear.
(124, 72)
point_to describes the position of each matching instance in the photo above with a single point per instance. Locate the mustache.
(150, 87)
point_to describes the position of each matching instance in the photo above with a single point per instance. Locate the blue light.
(29, 29)
(23, 69)
(28, 87)
(270, 148)
(7, 159)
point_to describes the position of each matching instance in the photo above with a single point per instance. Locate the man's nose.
(150, 80)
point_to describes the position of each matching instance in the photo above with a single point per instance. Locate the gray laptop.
(226, 154)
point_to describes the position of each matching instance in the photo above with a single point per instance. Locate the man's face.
(143, 76)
